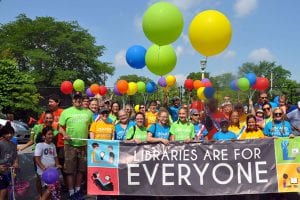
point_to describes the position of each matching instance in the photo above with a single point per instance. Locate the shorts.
(60, 155)
(4, 181)
(75, 159)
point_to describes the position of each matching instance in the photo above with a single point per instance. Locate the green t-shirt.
(140, 133)
(36, 131)
(77, 123)
(182, 131)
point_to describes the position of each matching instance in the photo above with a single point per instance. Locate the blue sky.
(262, 30)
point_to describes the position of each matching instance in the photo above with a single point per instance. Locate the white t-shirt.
(47, 153)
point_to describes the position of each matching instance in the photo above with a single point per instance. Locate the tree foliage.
(53, 51)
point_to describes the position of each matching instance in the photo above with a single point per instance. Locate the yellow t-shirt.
(150, 118)
(252, 135)
(236, 130)
(102, 130)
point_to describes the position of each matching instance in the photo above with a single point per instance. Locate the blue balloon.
(233, 85)
(209, 92)
(150, 87)
(276, 100)
(135, 56)
(273, 104)
(251, 77)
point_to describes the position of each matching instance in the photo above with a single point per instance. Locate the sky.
(262, 30)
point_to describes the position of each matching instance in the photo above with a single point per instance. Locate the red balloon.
(66, 87)
(189, 84)
(261, 84)
(102, 90)
(122, 86)
(95, 88)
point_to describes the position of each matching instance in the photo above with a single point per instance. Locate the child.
(224, 134)
(8, 158)
(45, 156)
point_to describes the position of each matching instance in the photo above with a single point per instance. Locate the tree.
(17, 89)
(53, 51)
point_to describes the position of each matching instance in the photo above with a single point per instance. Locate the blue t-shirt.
(278, 129)
(120, 133)
(224, 136)
(173, 110)
(159, 131)
(200, 129)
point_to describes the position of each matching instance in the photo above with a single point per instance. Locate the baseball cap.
(194, 111)
(224, 121)
(77, 96)
(103, 110)
(260, 111)
(175, 98)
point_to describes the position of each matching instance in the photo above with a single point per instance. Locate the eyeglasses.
(278, 114)
(264, 109)
(195, 114)
(263, 97)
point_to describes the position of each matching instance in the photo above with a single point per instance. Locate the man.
(294, 119)
(173, 109)
(74, 123)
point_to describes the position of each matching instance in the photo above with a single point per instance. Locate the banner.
(194, 169)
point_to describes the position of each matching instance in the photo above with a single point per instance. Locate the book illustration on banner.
(287, 150)
(288, 177)
(105, 186)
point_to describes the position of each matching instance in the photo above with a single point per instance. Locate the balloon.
(171, 80)
(198, 84)
(200, 93)
(243, 84)
(161, 60)
(162, 23)
(210, 32)
(95, 88)
(141, 87)
(150, 87)
(273, 104)
(122, 86)
(251, 77)
(66, 87)
(135, 56)
(189, 84)
(276, 100)
(206, 82)
(261, 84)
(116, 91)
(233, 85)
(132, 88)
(102, 90)
(137, 108)
(50, 175)
(89, 92)
(209, 92)
(78, 85)
(162, 82)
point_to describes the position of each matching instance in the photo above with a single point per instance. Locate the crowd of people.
(59, 138)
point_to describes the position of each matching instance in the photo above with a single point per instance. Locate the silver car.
(22, 131)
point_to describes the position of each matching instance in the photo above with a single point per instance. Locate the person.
(259, 114)
(159, 131)
(129, 110)
(227, 109)
(199, 128)
(138, 132)
(252, 131)
(142, 108)
(8, 158)
(108, 186)
(242, 115)
(94, 107)
(45, 156)
(85, 101)
(224, 133)
(151, 115)
(123, 125)
(74, 125)
(94, 155)
(283, 103)
(101, 129)
(115, 107)
(294, 118)
(278, 127)
(267, 108)
(182, 129)
(174, 108)
(234, 124)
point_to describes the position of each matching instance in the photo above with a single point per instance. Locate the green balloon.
(78, 85)
(161, 60)
(243, 84)
(141, 87)
(162, 23)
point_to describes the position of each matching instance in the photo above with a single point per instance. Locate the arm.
(57, 163)
(151, 139)
(63, 132)
(39, 163)
(92, 135)
(24, 146)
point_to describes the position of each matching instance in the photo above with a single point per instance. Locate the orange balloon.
(198, 84)
(122, 86)
(95, 88)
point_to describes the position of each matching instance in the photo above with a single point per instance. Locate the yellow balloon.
(170, 80)
(137, 108)
(132, 88)
(200, 93)
(210, 32)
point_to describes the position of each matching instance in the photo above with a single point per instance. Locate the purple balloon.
(205, 80)
(162, 82)
(233, 85)
(89, 93)
(50, 175)
(116, 91)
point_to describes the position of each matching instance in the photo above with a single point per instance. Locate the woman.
(123, 125)
(278, 127)
(159, 131)
(151, 115)
(234, 124)
(101, 129)
(115, 108)
(252, 131)
(182, 129)
(199, 128)
(138, 133)
(94, 107)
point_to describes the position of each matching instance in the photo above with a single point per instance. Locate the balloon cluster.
(96, 89)
(204, 88)
(66, 87)
(167, 81)
(250, 80)
(122, 87)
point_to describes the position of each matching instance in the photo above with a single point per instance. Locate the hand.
(187, 141)
(67, 137)
(137, 141)
(291, 136)
(165, 142)
(58, 166)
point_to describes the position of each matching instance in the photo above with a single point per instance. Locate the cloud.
(120, 60)
(229, 54)
(138, 23)
(244, 7)
(179, 50)
(261, 54)
(180, 78)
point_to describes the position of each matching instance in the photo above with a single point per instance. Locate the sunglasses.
(263, 97)
(142, 107)
(195, 114)
(264, 109)
(278, 114)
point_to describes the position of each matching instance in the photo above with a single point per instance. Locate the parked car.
(22, 131)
